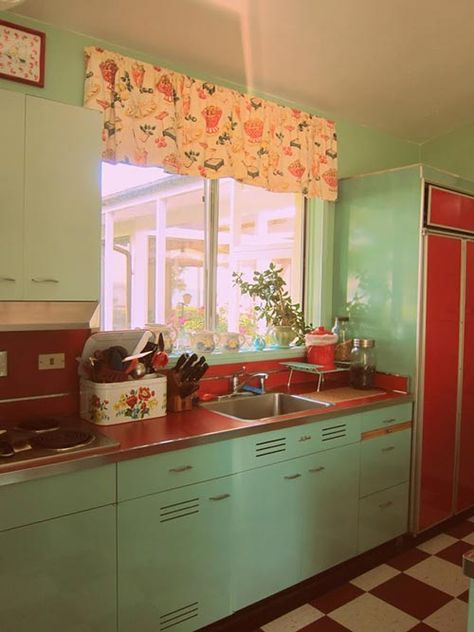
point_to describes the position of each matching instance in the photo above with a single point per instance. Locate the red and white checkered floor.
(421, 590)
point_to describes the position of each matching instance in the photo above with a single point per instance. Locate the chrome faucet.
(239, 381)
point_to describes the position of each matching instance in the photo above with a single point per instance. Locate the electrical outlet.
(3, 364)
(51, 361)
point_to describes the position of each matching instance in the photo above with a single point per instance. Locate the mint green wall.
(361, 149)
(376, 262)
(453, 152)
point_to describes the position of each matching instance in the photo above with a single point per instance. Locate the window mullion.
(211, 220)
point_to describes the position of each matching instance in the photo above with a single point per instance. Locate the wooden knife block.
(175, 402)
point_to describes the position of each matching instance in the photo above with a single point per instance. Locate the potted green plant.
(274, 304)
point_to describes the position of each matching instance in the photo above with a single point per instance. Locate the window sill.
(237, 357)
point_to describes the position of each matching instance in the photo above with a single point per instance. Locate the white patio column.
(160, 261)
(139, 278)
(107, 298)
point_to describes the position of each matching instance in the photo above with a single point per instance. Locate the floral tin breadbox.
(124, 399)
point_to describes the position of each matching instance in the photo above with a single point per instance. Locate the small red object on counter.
(320, 348)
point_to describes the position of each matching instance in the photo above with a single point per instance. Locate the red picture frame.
(22, 54)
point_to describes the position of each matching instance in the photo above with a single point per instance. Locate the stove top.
(39, 439)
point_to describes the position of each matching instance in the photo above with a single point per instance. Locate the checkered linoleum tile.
(420, 590)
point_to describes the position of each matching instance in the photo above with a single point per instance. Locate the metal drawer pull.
(44, 280)
(183, 468)
(389, 421)
(290, 477)
(221, 497)
(305, 438)
(388, 449)
(385, 505)
(9, 279)
(317, 469)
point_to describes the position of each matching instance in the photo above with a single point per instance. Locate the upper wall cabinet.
(12, 148)
(50, 241)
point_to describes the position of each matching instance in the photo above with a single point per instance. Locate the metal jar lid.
(363, 343)
(342, 319)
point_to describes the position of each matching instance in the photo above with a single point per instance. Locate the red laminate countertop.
(194, 427)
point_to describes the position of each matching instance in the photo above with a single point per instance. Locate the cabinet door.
(267, 538)
(12, 144)
(330, 504)
(60, 574)
(441, 356)
(62, 201)
(383, 516)
(385, 461)
(174, 558)
(465, 496)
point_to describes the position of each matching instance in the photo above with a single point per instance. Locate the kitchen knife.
(181, 360)
(188, 364)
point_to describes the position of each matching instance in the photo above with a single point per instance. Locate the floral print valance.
(157, 117)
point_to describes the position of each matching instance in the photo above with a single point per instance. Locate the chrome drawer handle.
(44, 280)
(291, 477)
(389, 449)
(305, 438)
(221, 497)
(183, 468)
(389, 421)
(317, 469)
(385, 505)
(8, 279)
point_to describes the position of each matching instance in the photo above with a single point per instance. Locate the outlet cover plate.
(3, 364)
(51, 361)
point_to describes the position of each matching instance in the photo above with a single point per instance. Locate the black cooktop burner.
(38, 425)
(6, 449)
(63, 439)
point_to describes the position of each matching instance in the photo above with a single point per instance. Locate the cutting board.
(343, 394)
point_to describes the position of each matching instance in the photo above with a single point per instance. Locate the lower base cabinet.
(383, 516)
(295, 519)
(59, 575)
(330, 509)
(267, 535)
(174, 558)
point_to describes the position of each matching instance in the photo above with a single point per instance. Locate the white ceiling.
(402, 66)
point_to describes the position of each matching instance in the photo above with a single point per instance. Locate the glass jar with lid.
(344, 339)
(362, 370)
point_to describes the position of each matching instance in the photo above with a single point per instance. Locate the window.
(171, 243)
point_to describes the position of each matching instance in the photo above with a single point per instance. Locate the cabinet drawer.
(324, 435)
(151, 474)
(386, 417)
(384, 461)
(382, 517)
(45, 498)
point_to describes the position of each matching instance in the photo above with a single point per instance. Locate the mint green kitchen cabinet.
(12, 139)
(267, 531)
(50, 207)
(60, 575)
(329, 512)
(383, 516)
(385, 459)
(58, 553)
(174, 558)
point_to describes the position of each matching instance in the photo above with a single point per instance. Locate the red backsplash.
(26, 380)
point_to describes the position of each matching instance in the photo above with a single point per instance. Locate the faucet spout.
(240, 382)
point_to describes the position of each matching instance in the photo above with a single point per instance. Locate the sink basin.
(263, 406)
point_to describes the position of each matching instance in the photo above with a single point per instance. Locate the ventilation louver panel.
(180, 615)
(271, 446)
(179, 510)
(337, 431)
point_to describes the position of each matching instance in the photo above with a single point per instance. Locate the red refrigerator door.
(443, 270)
(465, 497)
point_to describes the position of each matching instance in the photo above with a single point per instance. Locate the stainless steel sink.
(263, 406)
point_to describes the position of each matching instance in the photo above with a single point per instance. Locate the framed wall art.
(22, 54)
